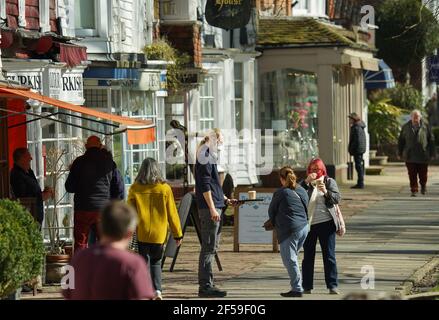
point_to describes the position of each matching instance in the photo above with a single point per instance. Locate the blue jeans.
(325, 233)
(210, 236)
(289, 250)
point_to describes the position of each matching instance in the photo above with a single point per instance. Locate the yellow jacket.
(156, 209)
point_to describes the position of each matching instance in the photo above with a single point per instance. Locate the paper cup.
(252, 195)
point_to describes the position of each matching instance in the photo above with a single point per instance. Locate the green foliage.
(407, 32)
(21, 247)
(161, 49)
(383, 122)
(403, 96)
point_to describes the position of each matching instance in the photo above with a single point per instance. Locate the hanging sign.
(228, 14)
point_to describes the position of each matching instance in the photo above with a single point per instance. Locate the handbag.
(341, 227)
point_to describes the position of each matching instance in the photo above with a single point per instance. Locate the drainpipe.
(1, 66)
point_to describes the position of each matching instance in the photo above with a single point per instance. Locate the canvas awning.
(382, 79)
(138, 131)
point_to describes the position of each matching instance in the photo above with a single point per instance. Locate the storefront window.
(238, 81)
(207, 115)
(289, 107)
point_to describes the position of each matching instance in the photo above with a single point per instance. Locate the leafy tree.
(407, 33)
(383, 122)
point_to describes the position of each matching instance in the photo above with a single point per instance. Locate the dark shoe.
(307, 291)
(211, 292)
(357, 187)
(413, 194)
(423, 190)
(292, 294)
(334, 291)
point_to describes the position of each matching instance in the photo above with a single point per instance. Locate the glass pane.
(238, 89)
(238, 115)
(238, 71)
(85, 14)
(289, 106)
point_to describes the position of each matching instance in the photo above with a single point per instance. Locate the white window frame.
(310, 8)
(208, 98)
(101, 21)
(45, 15)
(241, 99)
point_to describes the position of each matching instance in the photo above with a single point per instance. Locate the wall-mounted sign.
(52, 86)
(149, 81)
(31, 79)
(228, 14)
(72, 87)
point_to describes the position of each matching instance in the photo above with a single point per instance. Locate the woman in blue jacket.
(288, 214)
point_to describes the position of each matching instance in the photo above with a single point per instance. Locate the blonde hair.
(287, 173)
(211, 132)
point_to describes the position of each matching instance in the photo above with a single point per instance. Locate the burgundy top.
(106, 273)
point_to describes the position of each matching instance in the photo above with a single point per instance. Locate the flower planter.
(54, 265)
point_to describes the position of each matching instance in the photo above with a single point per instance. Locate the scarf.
(313, 200)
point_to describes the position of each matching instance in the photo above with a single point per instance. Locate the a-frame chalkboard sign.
(187, 209)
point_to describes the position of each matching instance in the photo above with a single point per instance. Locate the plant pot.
(54, 267)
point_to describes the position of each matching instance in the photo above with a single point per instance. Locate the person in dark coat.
(357, 147)
(288, 214)
(95, 180)
(416, 148)
(24, 183)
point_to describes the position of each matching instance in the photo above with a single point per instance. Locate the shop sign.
(72, 87)
(228, 14)
(150, 81)
(52, 86)
(30, 79)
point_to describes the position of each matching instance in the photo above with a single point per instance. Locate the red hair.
(320, 164)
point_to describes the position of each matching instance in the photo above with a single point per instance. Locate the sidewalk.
(386, 229)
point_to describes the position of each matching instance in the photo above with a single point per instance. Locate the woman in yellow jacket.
(154, 201)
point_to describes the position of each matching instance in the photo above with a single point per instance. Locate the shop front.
(310, 79)
(137, 94)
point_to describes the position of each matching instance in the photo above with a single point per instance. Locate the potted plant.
(56, 255)
(21, 247)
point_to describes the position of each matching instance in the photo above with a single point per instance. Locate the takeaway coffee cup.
(252, 195)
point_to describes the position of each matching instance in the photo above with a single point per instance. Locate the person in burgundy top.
(108, 271)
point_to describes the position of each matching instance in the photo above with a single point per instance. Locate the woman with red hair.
(325, 221)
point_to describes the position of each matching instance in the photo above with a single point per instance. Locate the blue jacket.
(288, 212)
(207, 179)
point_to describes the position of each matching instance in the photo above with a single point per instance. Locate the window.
(310, 8)
(85, 18)
(289, 107)
(207, 115)
(239, 89)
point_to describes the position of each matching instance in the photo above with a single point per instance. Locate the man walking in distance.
(416, 148)
(108, 271)
(210, 200)
(357, 147)
(94, 179)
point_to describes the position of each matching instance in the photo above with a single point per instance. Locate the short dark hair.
(117, 220)
(19, 153)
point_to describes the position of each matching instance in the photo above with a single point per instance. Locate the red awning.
(72, 54)
(138, 131)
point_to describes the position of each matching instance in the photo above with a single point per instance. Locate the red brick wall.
(32, 14)
(186, 39)
(12, 13)
(52, 9)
